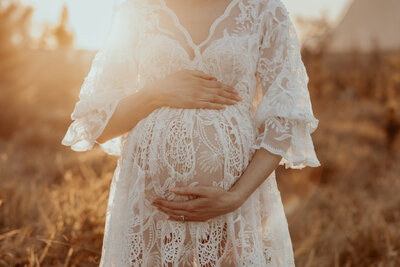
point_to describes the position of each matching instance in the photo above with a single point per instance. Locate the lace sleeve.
(284, 115)
(112, 77)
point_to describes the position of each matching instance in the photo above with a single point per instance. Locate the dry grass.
(346, 213)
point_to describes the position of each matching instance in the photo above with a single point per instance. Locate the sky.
(90, 19)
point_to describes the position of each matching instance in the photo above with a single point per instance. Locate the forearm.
(129, 112)
(260, 168)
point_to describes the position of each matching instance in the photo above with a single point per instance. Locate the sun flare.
(90, 19)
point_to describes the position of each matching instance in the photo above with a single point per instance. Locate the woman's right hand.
(193, 89)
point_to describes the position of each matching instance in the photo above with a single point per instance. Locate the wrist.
(237, 199)
(240, 192)
(153, 97)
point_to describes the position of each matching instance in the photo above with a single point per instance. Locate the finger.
(203, 75)
(217, 84)
(214, 98)
(187, 205)
(208, 105)
(224, 93)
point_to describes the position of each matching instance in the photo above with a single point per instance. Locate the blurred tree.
(64, 37)
(46, 38)
(15, 23)
(316, 33)
(15, 39)
(316, 36)
(392, 100)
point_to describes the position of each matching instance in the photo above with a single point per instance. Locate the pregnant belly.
(189, 147)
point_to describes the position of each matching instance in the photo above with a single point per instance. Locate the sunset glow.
(90, 19)
(84, 148)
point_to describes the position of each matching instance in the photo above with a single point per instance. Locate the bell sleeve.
(284, 116)
(112, 77)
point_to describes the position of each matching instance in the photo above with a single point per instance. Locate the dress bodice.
(229, 52)
(251, 46)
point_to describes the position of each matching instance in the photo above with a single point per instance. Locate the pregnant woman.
(206, 97)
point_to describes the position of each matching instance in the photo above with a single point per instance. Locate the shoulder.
(275, 13)
(273, 4)
(132, 9)
(275, 9)
(127, 14)
(125, 26)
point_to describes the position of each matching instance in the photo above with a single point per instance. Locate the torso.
(186, 146)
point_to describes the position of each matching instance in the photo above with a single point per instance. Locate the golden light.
(89, 19)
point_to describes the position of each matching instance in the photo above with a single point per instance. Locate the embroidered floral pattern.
(251, 46)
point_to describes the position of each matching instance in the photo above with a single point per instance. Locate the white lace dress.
(253, 47)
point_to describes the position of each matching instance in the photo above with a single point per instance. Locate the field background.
(53, 200)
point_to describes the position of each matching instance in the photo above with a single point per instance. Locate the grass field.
(345, 213)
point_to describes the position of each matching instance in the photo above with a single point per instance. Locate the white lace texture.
(285, 112)
(252, 46)
(113, 76)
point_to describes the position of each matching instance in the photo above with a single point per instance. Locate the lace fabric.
(285, 112)
(251, 46)
(112, 76)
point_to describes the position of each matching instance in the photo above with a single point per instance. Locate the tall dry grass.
(345, 213)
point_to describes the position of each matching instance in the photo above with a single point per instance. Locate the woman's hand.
(210, 202)
(193, 89)
(185, 89)
(214, 201)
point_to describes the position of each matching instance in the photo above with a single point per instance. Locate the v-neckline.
(183, 29)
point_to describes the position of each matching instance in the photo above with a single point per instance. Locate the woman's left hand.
(210, 202)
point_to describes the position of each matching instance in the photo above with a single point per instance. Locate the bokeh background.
(344, 213)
